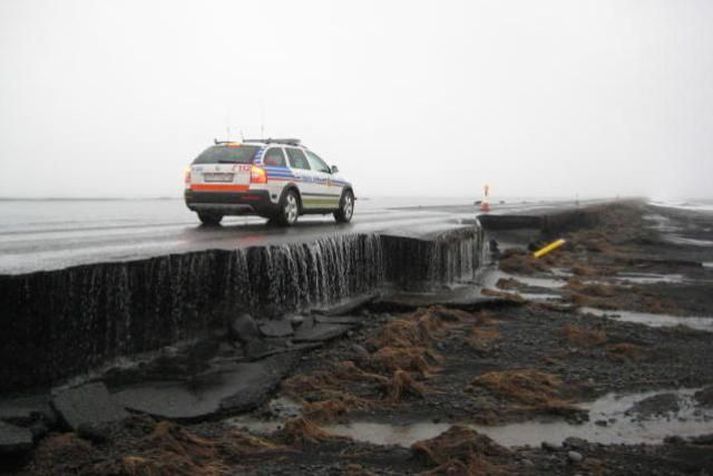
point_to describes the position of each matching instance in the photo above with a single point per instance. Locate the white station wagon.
(278, 179)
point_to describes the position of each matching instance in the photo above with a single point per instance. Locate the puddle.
(653, 320)
(649, 278)
(680, 240)
(661, 223)
(539, 297)
(490, 280)
(629, 279)
(387, 434)
(563, 273)
(611, 422)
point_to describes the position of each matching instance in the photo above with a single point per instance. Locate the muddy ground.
(538, 363)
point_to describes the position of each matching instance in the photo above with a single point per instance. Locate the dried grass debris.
(625, 351)
(301, 432)
(517, 261)
(420, 360)
(402, 384)
(529, 387)
(579, 336)
(462, 450)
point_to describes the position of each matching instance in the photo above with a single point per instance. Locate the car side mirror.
(335, 169)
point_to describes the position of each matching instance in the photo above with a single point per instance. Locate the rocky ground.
(526, 370)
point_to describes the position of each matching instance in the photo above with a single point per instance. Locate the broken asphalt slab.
(346, 320)
(321, 332)
(235, 388)
(276, 328)
(14, 439)
(25, 410)
(86, 405)
(348, 306)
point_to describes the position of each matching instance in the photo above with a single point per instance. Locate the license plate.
(218, 177)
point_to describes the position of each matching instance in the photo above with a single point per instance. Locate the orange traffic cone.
(485, 204)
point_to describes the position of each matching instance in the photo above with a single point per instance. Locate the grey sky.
(547, 98)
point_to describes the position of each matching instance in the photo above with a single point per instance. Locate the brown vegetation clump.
(449, 315)
(414, 359)
(357, 470)
(529, 387)
(582, 336)
(520, 262)
(421, 328)
(502, 294)
(171, 437)
(594, 241)
(591, 289)
(508, 283)
(580, 269)
(463, 451)
(612, 297)
(482, 338)
(134, 465)
(61, 454)
(484, 317)
(325, 410)
(324, 394)
(402, 384)
(348, 370)
(301, 432)
(402, 355)
(625, 351)
(315, 382)
(407, 332)
(169, 450)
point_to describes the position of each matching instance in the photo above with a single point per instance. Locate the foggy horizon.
(553, 99)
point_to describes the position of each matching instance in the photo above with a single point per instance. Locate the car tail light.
(258, 175)
(187, 176)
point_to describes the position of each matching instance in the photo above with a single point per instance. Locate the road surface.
(38, 235)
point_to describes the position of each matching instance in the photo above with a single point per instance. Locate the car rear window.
(221, 154)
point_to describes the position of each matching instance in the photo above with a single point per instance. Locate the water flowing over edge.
(61, 323)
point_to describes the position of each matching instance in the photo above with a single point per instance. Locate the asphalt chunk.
(14, 439)
(88, 404)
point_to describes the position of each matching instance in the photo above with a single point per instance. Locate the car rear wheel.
(346, 208)
(210, 219)
(289, 209)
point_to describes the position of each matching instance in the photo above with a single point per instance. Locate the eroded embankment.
(57, 324)
(417, 262)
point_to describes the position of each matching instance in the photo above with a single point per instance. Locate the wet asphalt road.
(38, 235)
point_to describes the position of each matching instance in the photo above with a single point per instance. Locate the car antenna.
(262, 118)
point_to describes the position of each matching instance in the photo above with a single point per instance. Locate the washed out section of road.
(233, 388)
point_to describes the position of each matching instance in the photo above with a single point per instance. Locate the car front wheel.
(346, 208)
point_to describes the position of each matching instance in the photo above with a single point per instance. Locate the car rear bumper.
(256, 202)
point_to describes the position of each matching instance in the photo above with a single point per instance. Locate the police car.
(278, 179)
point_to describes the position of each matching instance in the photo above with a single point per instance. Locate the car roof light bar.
(295, 142)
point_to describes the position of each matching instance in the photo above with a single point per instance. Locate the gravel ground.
(529, 362)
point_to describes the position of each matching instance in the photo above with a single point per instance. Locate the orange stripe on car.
(219, 187)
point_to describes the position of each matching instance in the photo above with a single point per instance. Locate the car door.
(304, 176)
(328, 193)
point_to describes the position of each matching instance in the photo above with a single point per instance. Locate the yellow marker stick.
(546, 249)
